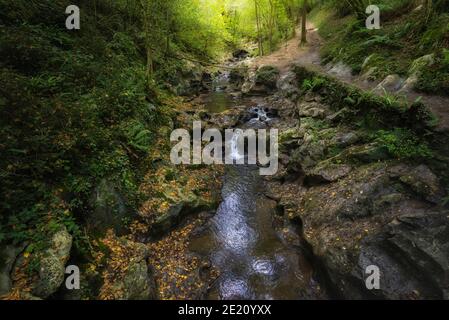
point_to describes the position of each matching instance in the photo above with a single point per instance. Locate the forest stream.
(245, 240)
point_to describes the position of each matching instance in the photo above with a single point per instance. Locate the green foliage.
(313, 84)
(138, 136)
(434, 79)
(75, 107)
(277, 21)
(403, 144)
(406, 35)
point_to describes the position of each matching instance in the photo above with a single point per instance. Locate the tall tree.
(304, 22)
(146, 6)
(259, 26)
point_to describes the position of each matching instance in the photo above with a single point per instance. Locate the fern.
(138, 136)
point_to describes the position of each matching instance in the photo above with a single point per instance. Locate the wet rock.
(365, 219)
(425, 183)
(387, 201)
(52, 264)
(8, 255)
(412, 254)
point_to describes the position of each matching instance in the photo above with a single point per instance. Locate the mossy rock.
(367, 153)
(52, 264)
(423, 62)
(267, 76)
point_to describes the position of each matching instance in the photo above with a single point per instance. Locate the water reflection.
(253, 261)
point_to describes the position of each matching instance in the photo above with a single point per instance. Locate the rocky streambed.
(343, 200)
(361, 182)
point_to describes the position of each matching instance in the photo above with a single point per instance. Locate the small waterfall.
(235, 152)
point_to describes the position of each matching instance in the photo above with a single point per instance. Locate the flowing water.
(244, 239)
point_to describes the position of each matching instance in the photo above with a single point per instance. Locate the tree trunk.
(304, 23)
(271, 25)
(147, 27)
(259, 35)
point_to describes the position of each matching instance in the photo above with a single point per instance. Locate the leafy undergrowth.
(76, 107)
(406, 34)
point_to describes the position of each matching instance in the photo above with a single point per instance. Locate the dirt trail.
(309, 56)
(293, 53)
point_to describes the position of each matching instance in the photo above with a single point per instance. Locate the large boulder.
(177, 213)
(52, 264)
(109, 209)
(263, 81)
(412, 254)
(367, 218)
